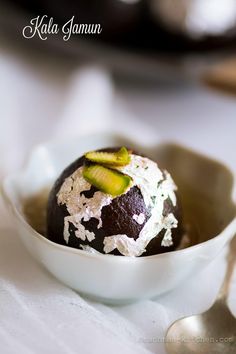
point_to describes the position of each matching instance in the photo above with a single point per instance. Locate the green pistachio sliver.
(119, 158)
(107, 180)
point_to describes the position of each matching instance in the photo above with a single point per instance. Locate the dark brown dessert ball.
(117, 218)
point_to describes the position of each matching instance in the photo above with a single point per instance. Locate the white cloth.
(38, 314)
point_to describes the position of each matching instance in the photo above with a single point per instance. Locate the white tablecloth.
(37, 313)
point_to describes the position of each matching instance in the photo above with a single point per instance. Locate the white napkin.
(38, 314)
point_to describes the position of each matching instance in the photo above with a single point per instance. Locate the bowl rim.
(11, 205)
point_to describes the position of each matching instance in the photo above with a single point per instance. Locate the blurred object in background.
(89, 103)
(169, 41)
(148, 25)
(222, 76)
(48, 103)
(197, 18)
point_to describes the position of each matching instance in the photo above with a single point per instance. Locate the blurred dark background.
(148, 26)
(147, 67)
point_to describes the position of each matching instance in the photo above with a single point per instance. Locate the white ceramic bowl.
(206, 190)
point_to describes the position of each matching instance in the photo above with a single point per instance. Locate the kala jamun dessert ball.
(114, 201)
